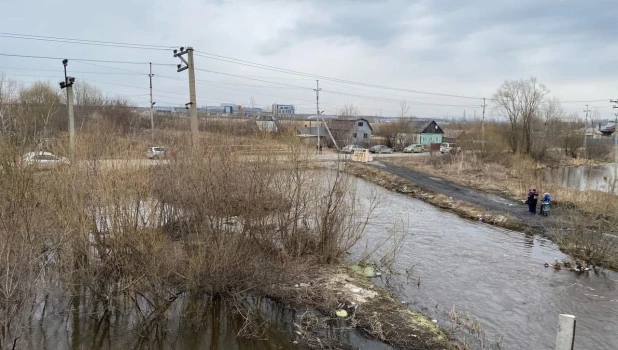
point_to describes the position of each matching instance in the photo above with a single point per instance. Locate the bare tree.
(520, 101)
(550, 116)
(8, 98)
(570, 134)
(85, 94)
(39, 111)
(349, 111)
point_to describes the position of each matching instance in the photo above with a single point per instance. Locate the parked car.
(414, 148)
(352, 148)
(43, 160)
(447, 147)
(158, 152)
(380, 149)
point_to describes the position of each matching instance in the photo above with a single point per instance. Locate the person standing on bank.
(529, 201)
(533, 197)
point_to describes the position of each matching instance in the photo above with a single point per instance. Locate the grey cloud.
(375, 23)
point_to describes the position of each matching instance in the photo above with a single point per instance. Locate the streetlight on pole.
(68, 84)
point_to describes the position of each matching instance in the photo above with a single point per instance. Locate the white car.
(352, 148)
(414, 148)
(43, 160)
(447, 147)
(158, 152)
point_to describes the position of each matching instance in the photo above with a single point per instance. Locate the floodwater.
(493, 274)
(80, 323)
(600, 178)
(189, 323)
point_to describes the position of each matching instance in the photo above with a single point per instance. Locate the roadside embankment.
(462, 208)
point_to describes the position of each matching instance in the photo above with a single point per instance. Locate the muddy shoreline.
(370, 310)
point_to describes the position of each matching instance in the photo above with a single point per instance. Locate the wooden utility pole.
(192, 105)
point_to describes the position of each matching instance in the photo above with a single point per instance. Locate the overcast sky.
(453, 47)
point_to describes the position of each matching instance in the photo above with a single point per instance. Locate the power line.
(83, 41)
(12, 35)
(83, 59)
(397, 100)
(81, 72)
(584, 101)
(331, 91)
(244, 77)
(351, 82)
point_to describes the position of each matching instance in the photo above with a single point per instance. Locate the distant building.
(230, 108)
(309, 134)
(283, 111)
(266, 124)
(426, 132)
(453, 135)
(351, 131)
(169, 109)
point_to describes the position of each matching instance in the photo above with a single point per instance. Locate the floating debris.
(341, 313)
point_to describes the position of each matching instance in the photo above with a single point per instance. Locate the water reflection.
(599, 178)
(83, 322)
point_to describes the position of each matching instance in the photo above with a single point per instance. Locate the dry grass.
(512, 176)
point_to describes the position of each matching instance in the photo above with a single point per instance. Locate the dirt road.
(488, 201)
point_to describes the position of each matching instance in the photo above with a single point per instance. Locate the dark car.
(380, 149)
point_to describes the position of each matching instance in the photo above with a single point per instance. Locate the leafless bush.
(590, 237)
(222, 223)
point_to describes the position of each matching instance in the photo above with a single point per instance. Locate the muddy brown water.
(493, 274)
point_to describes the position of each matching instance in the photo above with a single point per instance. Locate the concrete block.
(566, 332)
